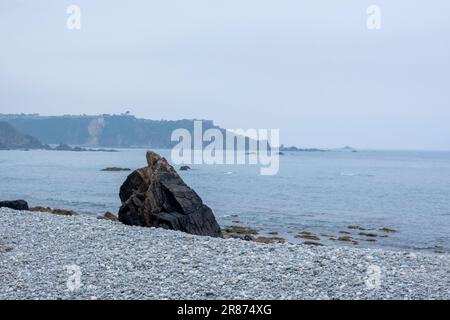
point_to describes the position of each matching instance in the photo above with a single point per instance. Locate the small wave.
(229, 172)
(349, 174)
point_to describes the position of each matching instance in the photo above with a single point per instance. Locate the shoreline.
(343, 236)
(124, 262)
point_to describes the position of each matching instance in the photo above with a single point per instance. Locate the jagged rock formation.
(156, 196)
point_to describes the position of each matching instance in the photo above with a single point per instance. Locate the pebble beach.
(39, 252)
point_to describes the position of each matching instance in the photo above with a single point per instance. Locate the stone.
(245, 237)
(347, 239)
(14, 204)
(156, 196)
(115, 169)
(60, 212)
(389, 230)
(368, 234)
(270, 240)
(264, 240)
(305, 233)
(313, 243)
(240, 230)
(357, 228)
(108, 216)
(308, 236)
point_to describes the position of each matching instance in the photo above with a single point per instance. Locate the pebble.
(121, 262)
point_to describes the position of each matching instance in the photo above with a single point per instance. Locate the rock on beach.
(14, 204)
(156, 196)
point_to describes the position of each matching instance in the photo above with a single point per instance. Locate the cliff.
(102, 130)
(11, 138)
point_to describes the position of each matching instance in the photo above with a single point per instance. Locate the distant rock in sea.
(293, 148)
(66, 147)
(13, 139)
(185, 168)
(296, 149)
(156, 196)
(346, 149)
(63, 147)
(116, 169)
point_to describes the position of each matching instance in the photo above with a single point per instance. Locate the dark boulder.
(15, 204)
(185, 168)
(156, 196)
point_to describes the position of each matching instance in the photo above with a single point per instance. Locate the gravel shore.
(40, 254)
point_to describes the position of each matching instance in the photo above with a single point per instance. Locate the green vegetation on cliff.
(102, 130)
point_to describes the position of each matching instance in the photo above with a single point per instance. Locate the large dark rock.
(156, 196)
(15, 204)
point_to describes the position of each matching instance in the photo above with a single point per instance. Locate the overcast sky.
(308, 67)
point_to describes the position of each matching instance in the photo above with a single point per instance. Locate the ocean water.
(320, 192)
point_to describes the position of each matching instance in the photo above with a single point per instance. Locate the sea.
(318, 192)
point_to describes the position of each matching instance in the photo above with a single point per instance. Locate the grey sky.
(310, 68)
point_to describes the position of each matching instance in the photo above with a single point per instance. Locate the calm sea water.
(318, 192)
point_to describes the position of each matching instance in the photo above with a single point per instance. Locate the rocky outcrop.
(156, 196)
(12, 139)
(66, 147)
(15, 204)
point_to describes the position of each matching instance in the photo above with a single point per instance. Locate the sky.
(310, 68)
